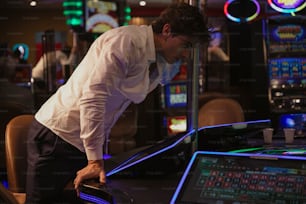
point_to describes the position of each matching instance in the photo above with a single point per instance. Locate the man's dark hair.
(184, 19)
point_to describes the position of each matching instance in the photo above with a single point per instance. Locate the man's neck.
(158, 40)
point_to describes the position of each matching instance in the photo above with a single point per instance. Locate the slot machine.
(174, 103)
(286, 63)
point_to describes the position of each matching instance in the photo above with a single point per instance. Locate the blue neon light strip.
(123, 166)
(183, 179)
(243, 124)
(93, 199)
(178, 189)
(120, 168)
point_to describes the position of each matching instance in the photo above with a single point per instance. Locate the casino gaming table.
(135, 177)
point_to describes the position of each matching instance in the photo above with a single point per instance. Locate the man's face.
(175, 47)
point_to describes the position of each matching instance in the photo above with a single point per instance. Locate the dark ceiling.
(56, 4)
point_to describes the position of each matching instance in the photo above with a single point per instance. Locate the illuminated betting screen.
(296, 121)
(176, 124)
(101, 16)
(287, 49)
(287, 6)
(176, 95)
(287, 38)
(287, 71)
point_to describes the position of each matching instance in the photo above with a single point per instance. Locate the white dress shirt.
(114, 73)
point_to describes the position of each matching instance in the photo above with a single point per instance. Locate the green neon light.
(74, 21)
(247, 149)
(127, 18)
(127, 10)
(73, 12)
(72, 4)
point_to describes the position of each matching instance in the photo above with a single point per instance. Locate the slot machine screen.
(296, 121)
(176, 95)
(176, 124)
(287, 38)
(101, 16)
(286, 63)
(290, 71)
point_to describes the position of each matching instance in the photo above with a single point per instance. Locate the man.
(70, 129)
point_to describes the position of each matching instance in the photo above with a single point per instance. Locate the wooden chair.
(8, 110)
(16, 154)
(6, 196)
(16, 158)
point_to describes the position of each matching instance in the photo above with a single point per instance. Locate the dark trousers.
(52, 163)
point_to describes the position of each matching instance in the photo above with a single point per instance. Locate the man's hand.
(94, 169)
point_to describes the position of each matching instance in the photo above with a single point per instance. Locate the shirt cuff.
(94, 154)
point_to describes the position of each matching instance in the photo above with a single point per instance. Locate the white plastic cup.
(289, 135)
(267, 134)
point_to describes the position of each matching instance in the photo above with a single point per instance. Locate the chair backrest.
(16, 151)
(8, 110)
(6, 196)
(220, 111)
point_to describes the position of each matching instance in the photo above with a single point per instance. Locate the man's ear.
(166, 32)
